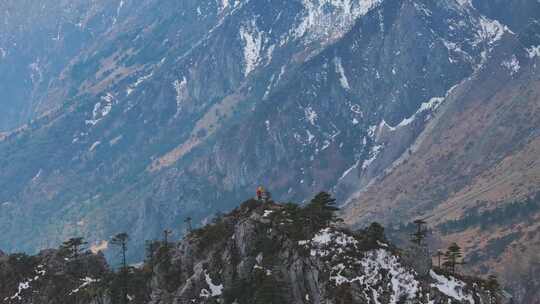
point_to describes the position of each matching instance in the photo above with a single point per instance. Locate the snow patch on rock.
(489, 31)
(330, 19)
(369, 270)
(39, 273)
(512, 65)
(253, 46)
(403, 282)
(451, 287)
(215, 290)
(267, 213)
(311, 115)
(533, 51)
(373, 153)
(101, 109)
(85, 283)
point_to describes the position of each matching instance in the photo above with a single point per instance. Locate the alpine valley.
(132, 115)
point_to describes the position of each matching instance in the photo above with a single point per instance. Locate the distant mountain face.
(37, 41)
(151, 111)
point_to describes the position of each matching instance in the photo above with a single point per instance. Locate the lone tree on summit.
(321, 211)
(74, 246)
(452, 257)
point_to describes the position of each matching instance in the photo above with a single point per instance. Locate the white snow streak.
(375, 150)
(431, 105)
(341, 73)
(253, 44)
(181, 93)
(142, 79)
(85, 282)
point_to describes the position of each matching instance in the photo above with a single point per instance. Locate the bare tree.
(166, 234)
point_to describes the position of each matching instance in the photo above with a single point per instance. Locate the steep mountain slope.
(488, 126)
(183, 110)
(476, 162)
(259, 253)
(38, 40)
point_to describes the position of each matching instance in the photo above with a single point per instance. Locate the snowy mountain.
(147, 111)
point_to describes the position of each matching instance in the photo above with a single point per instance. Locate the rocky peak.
(268, 253)
(261, 252)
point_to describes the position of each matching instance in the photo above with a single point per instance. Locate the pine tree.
(452, 257)
(121, 240)
(321, 211)
(74, 246)
(375, 234)
(492, 284)
(419, 236)
(72, 249)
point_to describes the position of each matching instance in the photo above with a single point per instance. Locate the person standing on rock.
(260, 191)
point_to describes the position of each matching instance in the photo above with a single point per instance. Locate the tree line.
(307, 220)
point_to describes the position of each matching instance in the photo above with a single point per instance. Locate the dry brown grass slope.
(483, 153)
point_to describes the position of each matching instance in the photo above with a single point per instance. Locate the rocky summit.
(262, 252)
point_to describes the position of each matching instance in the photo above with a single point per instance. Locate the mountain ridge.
(263, 245)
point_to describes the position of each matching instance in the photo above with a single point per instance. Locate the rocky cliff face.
(260, 253)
